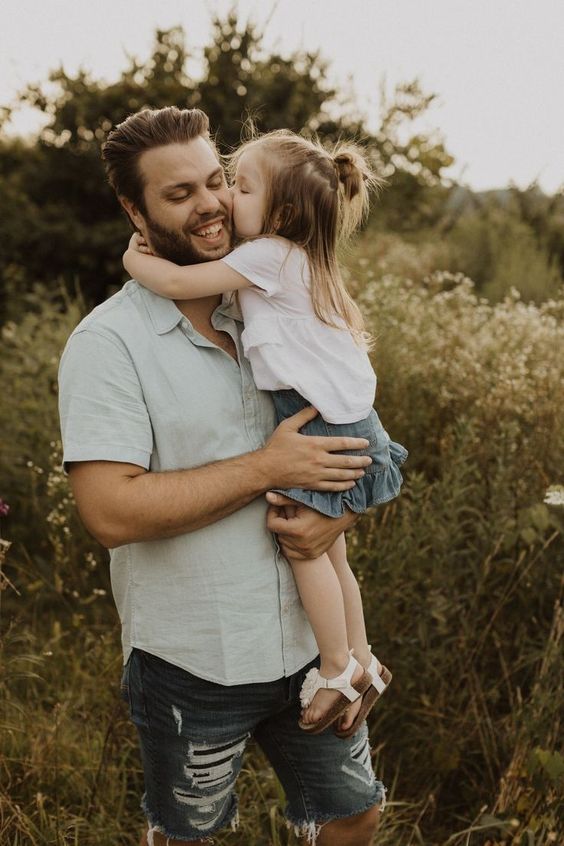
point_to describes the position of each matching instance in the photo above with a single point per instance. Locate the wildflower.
(554, 495)
(4, 508)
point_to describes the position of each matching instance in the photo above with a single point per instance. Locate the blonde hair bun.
(349, 172)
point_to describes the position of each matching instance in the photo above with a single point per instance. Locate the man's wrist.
(262, 469)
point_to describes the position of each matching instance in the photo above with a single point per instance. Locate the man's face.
(188, 203)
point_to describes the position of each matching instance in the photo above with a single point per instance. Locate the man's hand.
(313, 462)
(307, 534)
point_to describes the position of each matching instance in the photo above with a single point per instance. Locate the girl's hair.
(316, 199)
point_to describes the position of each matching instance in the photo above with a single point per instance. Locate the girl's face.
(249, 196)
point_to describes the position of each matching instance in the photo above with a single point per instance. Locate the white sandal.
(379, 681)
(348, 690)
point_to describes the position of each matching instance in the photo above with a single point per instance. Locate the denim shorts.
(193, 734)
(382, 480)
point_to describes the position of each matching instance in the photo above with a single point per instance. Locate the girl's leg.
(321, 596)
(356, 628)
(354, 615)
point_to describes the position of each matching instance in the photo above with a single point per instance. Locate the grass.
(461, 579)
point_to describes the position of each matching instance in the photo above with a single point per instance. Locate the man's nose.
(208, 201)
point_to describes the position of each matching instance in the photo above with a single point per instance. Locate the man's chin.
(185, 248)
(210, 252)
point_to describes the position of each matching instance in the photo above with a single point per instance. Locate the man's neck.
(199, 311)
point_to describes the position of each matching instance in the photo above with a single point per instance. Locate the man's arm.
(122, 503)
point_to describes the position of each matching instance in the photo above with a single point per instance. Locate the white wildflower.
(555, 495)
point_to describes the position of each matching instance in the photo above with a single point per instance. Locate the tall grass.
(460, 577)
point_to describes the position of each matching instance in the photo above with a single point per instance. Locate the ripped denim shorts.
(193, 734)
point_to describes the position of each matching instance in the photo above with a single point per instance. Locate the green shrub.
(460, 579)
(500, 252)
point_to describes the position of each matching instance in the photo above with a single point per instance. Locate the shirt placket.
(286, 584)
(249, 395)
(253, 418)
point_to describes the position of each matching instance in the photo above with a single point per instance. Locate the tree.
(59, 219)
(414, 166)
(240, 81)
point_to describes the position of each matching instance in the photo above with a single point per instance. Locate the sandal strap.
(377, 680)
(314, 681)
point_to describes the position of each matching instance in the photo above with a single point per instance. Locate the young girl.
(304, 337)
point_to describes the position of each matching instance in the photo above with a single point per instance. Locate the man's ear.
(133, 213)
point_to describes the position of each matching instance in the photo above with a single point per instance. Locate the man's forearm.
(122, 503)
(148, 506)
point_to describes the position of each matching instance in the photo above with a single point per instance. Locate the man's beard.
(177, 246)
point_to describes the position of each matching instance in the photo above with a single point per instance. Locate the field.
(461, 579)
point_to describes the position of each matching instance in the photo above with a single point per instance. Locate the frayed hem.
(308, 830)
(235, 821)
(311, 830)
(232, 821)
(169, 842)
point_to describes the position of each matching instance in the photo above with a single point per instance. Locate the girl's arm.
(189, 282)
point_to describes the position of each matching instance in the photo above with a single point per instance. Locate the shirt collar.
(230, 307)
(165, 315)
(163, 312)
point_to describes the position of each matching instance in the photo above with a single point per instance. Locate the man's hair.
(144, 131)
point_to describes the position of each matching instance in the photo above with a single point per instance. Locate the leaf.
(489, 821)
(529, 535)
(540, 517)
(551, 762)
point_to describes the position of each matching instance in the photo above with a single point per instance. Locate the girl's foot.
(326, 693)
(380, 678)
(349, 716)
(324, 699)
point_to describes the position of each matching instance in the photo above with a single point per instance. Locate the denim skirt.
(382, 480)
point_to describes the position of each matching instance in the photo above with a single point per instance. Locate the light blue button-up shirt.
(139, 384)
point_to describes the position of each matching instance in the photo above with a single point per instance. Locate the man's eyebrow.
(170, 189)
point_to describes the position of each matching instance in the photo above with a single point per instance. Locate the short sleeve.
(261, 262)
(102, 410)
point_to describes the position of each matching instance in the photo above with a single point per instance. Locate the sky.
(497, 65)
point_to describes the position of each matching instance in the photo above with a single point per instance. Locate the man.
(171, 449)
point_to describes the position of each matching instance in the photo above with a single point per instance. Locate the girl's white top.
(287, 345)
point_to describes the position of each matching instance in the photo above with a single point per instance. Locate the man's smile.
(211, 231)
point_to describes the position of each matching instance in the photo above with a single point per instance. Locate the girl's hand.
(137, 246)
(138, 243)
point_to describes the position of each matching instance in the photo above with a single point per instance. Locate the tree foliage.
(59, 219)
